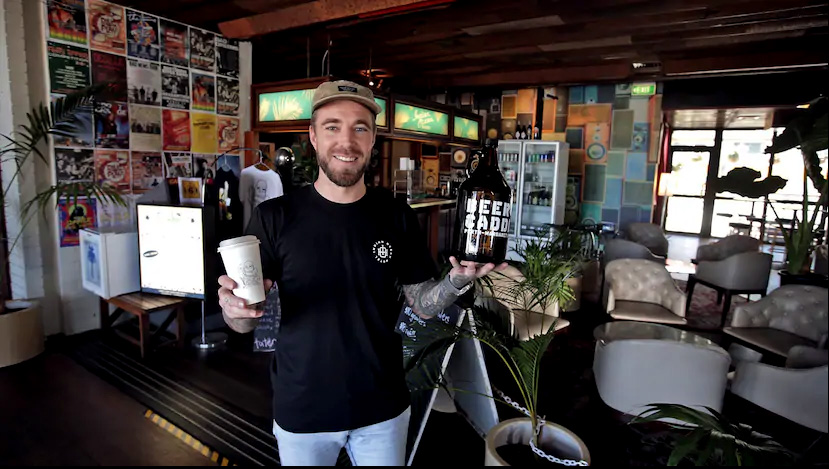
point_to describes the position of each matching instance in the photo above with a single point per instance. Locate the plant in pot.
(526, 290)
(708, 438)
(21, 328)
(808, 132)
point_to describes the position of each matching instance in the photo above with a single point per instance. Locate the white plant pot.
(21, 332)
(575, 283)
(555, 440)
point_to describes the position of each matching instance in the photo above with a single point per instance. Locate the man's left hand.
(464, 272)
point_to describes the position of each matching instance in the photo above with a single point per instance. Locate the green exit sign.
(643, 89)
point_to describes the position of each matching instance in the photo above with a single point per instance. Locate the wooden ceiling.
(439, 44)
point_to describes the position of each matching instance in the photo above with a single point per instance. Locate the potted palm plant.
(21, 327)
(532, 287)
(708, 438)
(808, 132)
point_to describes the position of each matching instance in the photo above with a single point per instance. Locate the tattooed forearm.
(431, 297)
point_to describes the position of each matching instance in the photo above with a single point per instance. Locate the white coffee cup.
(244, 265)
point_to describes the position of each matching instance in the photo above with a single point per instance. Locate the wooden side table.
(142, 305)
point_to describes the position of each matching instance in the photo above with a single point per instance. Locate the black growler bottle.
(484, 209)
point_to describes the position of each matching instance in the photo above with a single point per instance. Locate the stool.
(142, 305)
(740, 228)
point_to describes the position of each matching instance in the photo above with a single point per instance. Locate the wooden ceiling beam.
(543, 76)
(318, 11)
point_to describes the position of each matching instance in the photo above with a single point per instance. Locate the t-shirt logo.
(382, 251)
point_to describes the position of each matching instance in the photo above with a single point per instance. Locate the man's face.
(343, 136)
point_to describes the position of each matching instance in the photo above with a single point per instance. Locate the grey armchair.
(642, 290)
(746, 272)
(727, 247)
(649, 235)
(789, 316)
(624, 249)
(797, 393)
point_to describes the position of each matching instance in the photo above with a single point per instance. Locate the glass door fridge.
(509, 161)
(542, 185)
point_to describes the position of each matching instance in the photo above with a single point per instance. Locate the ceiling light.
(803, 106)
(371, 83)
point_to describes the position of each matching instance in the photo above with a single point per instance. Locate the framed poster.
(75, 215)
(227, 96)
(112, 125)
(203, 88)
(111, 70)
(227, 57)
(68, 67)
(175, 87)
(174, 44)
(176, 130)
(142, 35)
(107, 28)
(144, 80)
(67, 20)
(202, 50)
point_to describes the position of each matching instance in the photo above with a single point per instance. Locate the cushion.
(647, 312)
(775, 341)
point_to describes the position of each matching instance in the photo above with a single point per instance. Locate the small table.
(630, 330)
(142, 305)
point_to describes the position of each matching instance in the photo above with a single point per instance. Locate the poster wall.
(156, 71)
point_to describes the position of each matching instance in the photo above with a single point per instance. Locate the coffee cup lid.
(236, 242)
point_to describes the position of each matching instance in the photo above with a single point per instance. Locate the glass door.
(538, 187)
(686, 204)
(509, 161)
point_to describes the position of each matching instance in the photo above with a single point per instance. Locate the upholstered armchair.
(632, 373)
(525, 323)
(746, 272)
(642, 290)
(789, 316)
(624, 249)
(727, 247)
(649, 235)
(799, 392)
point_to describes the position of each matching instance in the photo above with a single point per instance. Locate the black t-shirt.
(338, 361)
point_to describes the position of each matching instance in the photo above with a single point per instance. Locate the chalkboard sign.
(264, 336)
(462, 362)
(410, 325)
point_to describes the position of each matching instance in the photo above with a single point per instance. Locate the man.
(339, 253)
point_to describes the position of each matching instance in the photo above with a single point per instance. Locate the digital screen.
(380, 119)
(285, 105)
(418, 119)
(465, 128)
(171, 250)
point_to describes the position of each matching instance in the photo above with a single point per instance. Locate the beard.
(342, 178)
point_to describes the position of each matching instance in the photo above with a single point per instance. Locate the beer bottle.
(484, 210)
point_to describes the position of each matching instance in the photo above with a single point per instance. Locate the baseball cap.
(343, 89)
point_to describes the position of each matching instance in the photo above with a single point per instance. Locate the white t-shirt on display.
(257, 186)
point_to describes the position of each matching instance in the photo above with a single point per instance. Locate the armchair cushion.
(801, 356)
(773, 340)
(639, 289)
(744, 271)
(650, 236)
(727, 247)
(802, 310)
(646, 312)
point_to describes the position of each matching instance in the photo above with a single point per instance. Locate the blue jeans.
(381, 444)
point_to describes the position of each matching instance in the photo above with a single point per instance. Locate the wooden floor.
(54, 412)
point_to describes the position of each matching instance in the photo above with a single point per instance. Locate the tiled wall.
(614, 140)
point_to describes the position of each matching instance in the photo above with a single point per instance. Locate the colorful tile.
(594, 182)
(636, 168)
(638, 193)
(575, 137)
(616, 163)
(610, 215)
(606, 93)
(628, 215)
(641, 108)
(621, 131)
(623, 89)
(651, 172)
(641, 130)
(591, 94)
(645, 214)
(591, 213)
(621, 102)
(576, 95)
(613, 193)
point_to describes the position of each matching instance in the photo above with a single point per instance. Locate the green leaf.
(685, 446)
(528, 355)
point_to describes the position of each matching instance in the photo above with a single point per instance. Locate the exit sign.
(643, 89)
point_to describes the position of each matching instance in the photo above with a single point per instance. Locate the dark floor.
(55, 412)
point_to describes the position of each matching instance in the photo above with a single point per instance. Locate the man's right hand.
(234, 307)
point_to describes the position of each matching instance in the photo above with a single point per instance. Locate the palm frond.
(105, 193)
(711, 435)
(528, 355)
